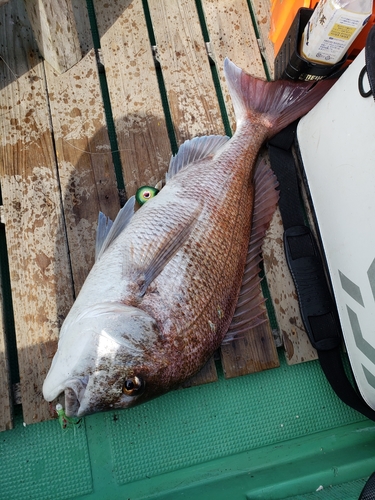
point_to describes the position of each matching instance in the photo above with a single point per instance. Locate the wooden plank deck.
(56, 164)
(37, 250)
(55, 31)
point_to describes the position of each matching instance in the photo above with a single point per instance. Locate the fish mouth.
(74, 393)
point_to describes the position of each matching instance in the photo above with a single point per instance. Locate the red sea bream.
(163, 292)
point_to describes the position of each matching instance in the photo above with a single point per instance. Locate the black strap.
(368, 492)
(317, 306)
(370, 60)
(369, 67)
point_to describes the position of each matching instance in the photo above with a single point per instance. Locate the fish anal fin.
(194, 150)
(108, 231)
(251, 310)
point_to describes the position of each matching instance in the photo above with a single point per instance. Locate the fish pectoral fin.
(108, 231)
(155, 255)
(251, 303)
(193, 150)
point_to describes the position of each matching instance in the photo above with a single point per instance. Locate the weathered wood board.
(186, 69)
(133, 88)
(55, 31)
(254, 352)
(38, 255)
(232, 35)
(261, 10)
(86, 172)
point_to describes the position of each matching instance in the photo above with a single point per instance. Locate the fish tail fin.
(280, 102)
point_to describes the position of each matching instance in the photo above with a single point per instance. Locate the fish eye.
(133, 386)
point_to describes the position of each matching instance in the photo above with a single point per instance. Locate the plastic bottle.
(332, 28)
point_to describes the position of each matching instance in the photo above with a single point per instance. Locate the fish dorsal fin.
(193, 150)
(250, 305)
(108, 231)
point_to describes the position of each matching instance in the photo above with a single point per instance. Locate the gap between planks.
(6, 406)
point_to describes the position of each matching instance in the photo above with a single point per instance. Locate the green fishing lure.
(145, 193)
(65, 421)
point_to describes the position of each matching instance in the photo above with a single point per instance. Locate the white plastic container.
(337, 144)
(332, 28)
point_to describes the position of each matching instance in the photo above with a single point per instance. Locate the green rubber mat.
(41, 462)
(217, 420)
(188, 440)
